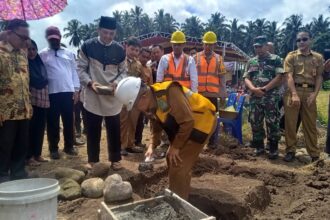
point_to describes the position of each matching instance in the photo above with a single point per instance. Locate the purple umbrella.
(30, 9)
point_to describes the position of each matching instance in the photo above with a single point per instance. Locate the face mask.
(54, 44)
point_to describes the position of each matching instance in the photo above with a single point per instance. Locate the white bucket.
(29, 199)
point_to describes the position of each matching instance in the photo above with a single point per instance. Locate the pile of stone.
(75, 184)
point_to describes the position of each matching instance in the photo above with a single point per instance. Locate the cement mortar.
(160, 210)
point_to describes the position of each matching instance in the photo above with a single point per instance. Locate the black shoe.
(71, 152)
(289, 157)
(55, 155)
(315, 159)
(134, 149)
(123, 152)
(273, 150)
(259, 151)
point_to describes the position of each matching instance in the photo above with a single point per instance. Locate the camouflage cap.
(260, 41)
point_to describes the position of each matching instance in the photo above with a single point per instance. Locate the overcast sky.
(275, 10)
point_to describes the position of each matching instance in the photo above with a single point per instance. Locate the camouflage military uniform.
(261, 72)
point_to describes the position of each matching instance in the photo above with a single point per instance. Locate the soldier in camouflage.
(262, 76)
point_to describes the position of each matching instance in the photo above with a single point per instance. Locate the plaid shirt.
(39, 97)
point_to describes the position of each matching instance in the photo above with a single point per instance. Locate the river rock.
(92, 188)
(63, 172)
(70, 189)
(116, 190)
(100, 169)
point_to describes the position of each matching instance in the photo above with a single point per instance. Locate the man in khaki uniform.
(304, 69)
(128, 119)
(188, 130)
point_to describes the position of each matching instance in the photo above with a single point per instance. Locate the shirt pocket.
(299, 67)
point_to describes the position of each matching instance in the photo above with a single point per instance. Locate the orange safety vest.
(178, 73)
(208, 76)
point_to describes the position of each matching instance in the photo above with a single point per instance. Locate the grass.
(322, 107)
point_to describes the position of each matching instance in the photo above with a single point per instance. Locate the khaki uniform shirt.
(305, 68)
(134, 67)
(181, 111)
(14, 84)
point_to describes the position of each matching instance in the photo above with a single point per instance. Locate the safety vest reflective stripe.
(178, 74)
(208, 78)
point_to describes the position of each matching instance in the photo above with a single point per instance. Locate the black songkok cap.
(107, 23)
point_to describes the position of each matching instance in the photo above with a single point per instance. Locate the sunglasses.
(302, 39)
(258, 46)
(23, 37)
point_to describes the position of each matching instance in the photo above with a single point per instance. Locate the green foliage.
(283, 35)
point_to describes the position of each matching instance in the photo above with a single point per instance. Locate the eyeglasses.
(23, 37)
(302, 39)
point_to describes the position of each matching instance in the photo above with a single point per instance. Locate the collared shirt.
(181, 112)
(61, 70)
(40, 97)
(305, 68)
(134, 67)
(191, 70)
(104, 65)
(14, 84)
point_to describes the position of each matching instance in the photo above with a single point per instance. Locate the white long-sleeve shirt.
(61, 70)
(191, 70)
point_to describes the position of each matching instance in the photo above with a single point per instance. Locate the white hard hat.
(127, 90)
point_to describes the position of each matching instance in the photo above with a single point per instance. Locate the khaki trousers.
(180, 176)
(308, 117)
(128, 122)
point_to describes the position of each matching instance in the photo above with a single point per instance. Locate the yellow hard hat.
(209, 38)
(178, 37)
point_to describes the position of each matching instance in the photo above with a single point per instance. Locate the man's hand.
(295, 100)
(150, 151)
(311, 98)
(75, 97)
(327, 66)
(258, 92)
(173, 156)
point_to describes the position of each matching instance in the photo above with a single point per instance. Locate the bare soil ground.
(299, 190)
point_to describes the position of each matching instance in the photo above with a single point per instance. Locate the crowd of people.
(124, 87)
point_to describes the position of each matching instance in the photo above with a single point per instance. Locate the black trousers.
(214, 137)
(37, 131)
(139, 129)
(327, 147)
(79, 113)
(94, 128)
(61, 105)
(14, 137)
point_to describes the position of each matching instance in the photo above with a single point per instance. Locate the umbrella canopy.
(30, 9)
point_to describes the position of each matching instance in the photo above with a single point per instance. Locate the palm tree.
(127, 24)
(320, 25)
(170, 23)
(293, 25)
(146, 24)
(249, 35)
(193, 27)
(136, 15)
(236, 32)
(88, 31)
(73, 29)
(119, 30)
(159, 20)
(260, 26)
(217, 24)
